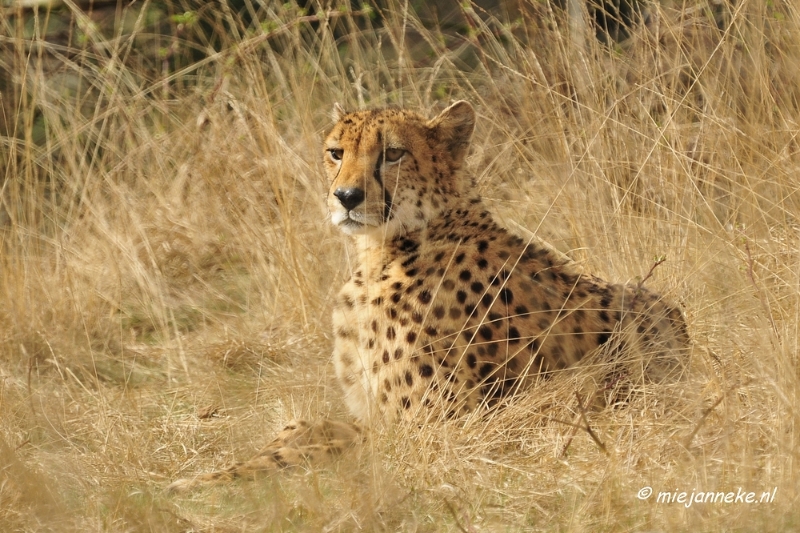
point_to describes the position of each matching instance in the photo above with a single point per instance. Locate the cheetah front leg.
(300, 442)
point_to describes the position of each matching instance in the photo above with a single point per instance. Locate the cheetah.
(448, 312)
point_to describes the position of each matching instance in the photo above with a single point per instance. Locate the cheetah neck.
(374, 255)
(376, 251)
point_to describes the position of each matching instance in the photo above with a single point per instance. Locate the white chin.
(351, 227)
(338, 217)
(346, 223)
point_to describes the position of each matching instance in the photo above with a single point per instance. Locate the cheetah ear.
(454, 127)
(338, 112)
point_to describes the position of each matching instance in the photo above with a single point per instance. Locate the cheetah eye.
(392, 155)
(336, 153)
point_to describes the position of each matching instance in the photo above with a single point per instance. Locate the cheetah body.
(446, 310)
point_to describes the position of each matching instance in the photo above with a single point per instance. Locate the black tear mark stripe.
(377, 172)
(387, 198)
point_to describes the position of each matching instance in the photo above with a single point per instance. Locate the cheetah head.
(392, 171)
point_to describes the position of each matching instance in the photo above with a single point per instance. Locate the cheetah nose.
(349, 197)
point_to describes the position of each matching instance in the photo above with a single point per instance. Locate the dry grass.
(167, 275)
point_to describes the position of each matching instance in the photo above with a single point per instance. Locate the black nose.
(349, 197)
